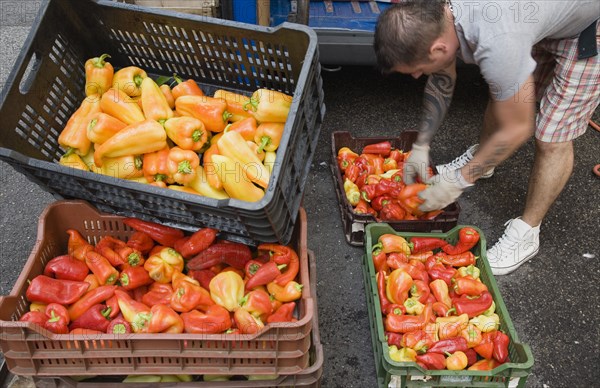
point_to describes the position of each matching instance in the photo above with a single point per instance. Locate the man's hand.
(416, 164)
(443, 190)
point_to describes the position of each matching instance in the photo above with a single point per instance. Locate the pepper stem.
(264, 141)
(184, 167)
(99, 62)
(196, 135)
(138, 79)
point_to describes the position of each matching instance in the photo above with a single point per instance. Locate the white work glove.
(416, 164)
(443, 190)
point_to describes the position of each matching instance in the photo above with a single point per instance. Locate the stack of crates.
(45, 88)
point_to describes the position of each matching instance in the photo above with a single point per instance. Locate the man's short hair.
(405, 32)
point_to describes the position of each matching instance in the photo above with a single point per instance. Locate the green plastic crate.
(409, 374)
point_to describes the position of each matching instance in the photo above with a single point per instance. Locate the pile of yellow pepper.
(130, 127)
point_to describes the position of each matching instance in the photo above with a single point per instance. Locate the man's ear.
(438, 47)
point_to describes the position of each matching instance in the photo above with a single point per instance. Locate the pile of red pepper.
(133, 127)
(373, 183)
(436, 310)
(162, 281)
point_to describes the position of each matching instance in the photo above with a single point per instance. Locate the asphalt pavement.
(553, 300)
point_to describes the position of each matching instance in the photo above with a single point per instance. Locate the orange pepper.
(185, 88)
(74, 135)
(156, 166)
(188, 133)
(129, 80)
(289, 292)
(166, 91)
(246, 127)
(119, 105)
(235, 104)
(154, 104)
(98, 75)
(143, 137)
(182, 164)
(188, 294)
(261, 154)
(164, 320)
(211, 111)
(210, 168)
(233, 145)
(102, 127)
(102, 268)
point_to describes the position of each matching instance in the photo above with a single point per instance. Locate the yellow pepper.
(235, 182)
(269, 161)
(71, 159)
(268, 136)
(102, 127)
(98, 75)
(154, 103)
(413, 306)
(235, 104)
(200, 184)
(119, 105)
(162, 265)
(227, 289)
(233, 145)
(449, 327)
(486, 323)
(124, 167)
(352, 192)
(269, 106)
(402, 355)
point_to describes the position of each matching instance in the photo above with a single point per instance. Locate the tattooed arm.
(515, 125)
(438, 94)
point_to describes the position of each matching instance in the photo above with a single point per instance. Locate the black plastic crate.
(47, 82)
(354, 224)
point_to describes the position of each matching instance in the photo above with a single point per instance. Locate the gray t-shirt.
(498, 35)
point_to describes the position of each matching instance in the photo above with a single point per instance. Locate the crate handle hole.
(30, 73)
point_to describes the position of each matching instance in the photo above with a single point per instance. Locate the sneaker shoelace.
(507, 240)
(459, 162)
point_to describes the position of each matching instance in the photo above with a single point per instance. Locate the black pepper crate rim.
(46, 85)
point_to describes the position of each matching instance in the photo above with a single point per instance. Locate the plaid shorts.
(567, 89)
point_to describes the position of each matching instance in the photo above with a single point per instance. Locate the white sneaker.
(444, 169)
(519, 243)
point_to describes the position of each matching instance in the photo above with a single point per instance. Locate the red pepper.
(423, 244)
(246, 322)
(164, 320)
(164, 235)
(134, 277)
(473, 307)
(471, 357)
(469, 286)
(440, 271)
(394, 339)
(375, 161)
(486, 347)
(484, 364)
(414, 271)
(396, 260)
(66, 267)
(363, 208)
(132, 257)
(77, 246)
(283, 255)
(196, 243)
(252, 267)
(158, 293)
(420, 290)
(102, 268)
(91, 298)
(501, 341)
(390, 243)
(409, 196)
(379, 202)
(118, 326)
(204, 276)
(459, 260)
(397, 155)
(188, 295)
(418, 340)
(449, 345)
(141, 242)
(421, 256)
(95, 318)
(439, 289)
(380, 260)
(352, 172)
(37, 317)
(389, 164)
(467, 238)
(384, 186)
(221, 252)
(265, 274)
(381, 290)
(397, 286)
(368, 192)
(258, 303)
(345, 158)
(432, 361)
(45, 289)
(216, 320)
(107, 246)
(440, 309)
(398, 323)
(392, 211)
(382, 148)
(113, 304)
(57, 318)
